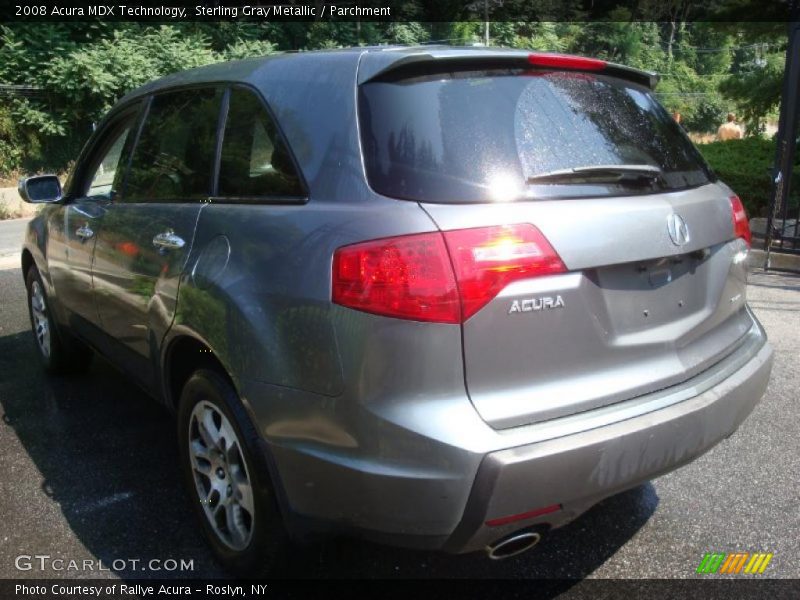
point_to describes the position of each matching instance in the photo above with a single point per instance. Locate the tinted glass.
(106, 176)
(174, 156)
(255, 161)
(474, 136)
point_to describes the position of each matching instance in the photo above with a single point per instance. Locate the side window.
(255, 162)
(174, 156)
(105, 173)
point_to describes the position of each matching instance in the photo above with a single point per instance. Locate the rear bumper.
(429, 473)
(579, 470)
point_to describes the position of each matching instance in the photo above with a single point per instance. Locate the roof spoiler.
(390, 65)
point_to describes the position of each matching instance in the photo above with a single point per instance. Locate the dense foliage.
(745, 165)
(80, 69)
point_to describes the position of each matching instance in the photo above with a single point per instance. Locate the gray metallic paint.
(366, 419)
(604, 461)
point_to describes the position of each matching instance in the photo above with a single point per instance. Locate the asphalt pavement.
(11, 234)
(89, 472)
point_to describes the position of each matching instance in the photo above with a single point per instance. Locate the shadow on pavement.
(108, 456)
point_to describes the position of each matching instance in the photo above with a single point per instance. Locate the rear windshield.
(479, 136)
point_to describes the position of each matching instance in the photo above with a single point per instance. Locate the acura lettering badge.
(536, 304)
(678, 230)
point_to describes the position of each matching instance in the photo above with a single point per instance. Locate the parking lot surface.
(90, 472)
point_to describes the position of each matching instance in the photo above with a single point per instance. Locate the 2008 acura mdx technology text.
(444, 298)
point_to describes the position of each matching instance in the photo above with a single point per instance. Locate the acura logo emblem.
(678, 230)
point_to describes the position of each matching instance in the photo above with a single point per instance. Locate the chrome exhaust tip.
(515, 544)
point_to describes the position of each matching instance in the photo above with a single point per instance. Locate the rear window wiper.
(600, 174)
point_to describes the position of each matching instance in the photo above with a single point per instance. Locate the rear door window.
(255, 161)
(477, 136)
(174, 157)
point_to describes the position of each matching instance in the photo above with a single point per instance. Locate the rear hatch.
(652, 289)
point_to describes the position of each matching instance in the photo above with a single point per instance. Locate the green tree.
(621, 40)
(542, 36)
(82, 68)
(247, 48)
(93, 77)
(409, 33)
(757, 91)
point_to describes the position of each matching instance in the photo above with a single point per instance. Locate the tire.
(59, 352)
(219, 452)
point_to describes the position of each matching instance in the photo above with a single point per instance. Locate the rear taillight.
(487, 259)
(441, 277)
(741, 228)
(409, 277)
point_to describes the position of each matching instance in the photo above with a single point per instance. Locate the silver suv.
(444, 298)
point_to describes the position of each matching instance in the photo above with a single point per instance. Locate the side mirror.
(42, 189)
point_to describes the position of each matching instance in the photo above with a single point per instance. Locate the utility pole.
(486, 22)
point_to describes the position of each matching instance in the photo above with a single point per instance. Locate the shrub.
(745, 165)
(705, 116)
(13, 144)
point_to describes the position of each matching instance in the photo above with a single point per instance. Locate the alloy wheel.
(41, 323)
(221, 477)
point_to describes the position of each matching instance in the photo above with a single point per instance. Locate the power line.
(711, 50)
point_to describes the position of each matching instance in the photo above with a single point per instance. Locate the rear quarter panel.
(258, 286)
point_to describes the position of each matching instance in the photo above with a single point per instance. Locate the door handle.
(167, 240)
(84, 232)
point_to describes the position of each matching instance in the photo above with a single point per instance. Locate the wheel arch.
(27, 262)
(183, 355)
